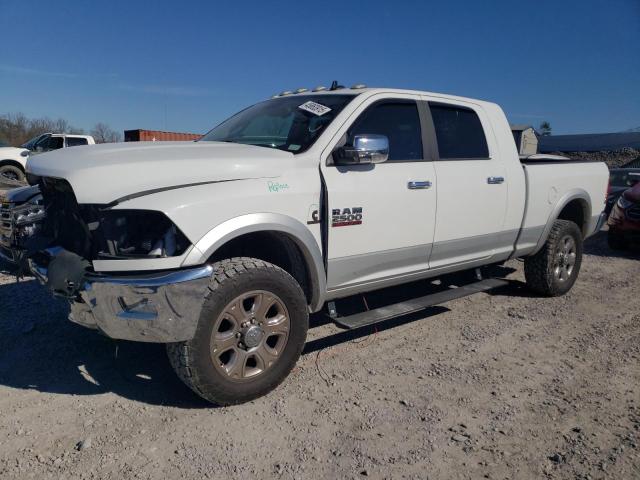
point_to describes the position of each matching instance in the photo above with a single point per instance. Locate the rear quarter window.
(459, 132)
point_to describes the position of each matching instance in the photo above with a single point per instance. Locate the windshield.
(287, 123)
(29, 145)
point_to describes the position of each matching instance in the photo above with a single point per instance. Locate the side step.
(416, 304)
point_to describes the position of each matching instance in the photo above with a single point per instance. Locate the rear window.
(75, 141)
(459, 132)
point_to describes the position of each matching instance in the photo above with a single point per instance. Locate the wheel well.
(12, 163)
(576, 212)
(273, 247)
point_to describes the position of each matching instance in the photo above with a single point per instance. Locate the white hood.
(104, 173)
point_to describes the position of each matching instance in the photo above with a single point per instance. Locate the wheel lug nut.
(238, 335)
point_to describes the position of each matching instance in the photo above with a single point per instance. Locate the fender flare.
(259, 222)
(11, 161)
(574, 194)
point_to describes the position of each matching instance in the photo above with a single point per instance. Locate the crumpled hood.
(108, 172)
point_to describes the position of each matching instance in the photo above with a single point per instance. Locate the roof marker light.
(358, 86)
(320, 89)
(300, 90)
(286, 92)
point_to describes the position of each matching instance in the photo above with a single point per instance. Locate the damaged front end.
(58, 240)
(21, 215)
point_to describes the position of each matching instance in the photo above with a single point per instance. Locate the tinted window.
(623, 178)
(459, 132)
(75, 141)
(55, 143)
(399, 122)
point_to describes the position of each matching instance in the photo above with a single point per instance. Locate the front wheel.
(251, 332)
(554, 269)
(12, 172)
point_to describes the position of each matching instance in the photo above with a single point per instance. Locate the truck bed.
(553, 181)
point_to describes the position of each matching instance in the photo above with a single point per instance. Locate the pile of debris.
(613, 158)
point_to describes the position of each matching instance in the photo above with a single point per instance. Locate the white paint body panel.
(14, 154)
(394, 217)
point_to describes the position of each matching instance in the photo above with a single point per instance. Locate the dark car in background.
(620, 179)
(624, 221)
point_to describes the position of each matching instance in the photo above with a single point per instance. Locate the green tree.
(545, 128)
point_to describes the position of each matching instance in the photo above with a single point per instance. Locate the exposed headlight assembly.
(20, 222)
(137, 234)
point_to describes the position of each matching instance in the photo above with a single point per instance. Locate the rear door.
(381, 217)
(472, 188)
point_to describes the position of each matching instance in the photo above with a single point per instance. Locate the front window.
(291, 123)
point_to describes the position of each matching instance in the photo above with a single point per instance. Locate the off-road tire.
(616, 240)
(12, 170)
(539, 268)
(192, 359)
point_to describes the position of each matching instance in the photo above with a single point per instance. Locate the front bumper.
(159, 307)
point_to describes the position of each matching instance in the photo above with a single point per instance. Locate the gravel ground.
(500, 385)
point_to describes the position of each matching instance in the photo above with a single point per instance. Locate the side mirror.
(366, 149)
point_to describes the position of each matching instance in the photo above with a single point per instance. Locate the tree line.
(17, 128)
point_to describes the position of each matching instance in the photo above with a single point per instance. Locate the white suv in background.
(13, 160)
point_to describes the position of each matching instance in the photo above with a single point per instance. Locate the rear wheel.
(554, 269)
(12, 172)
(250, 334)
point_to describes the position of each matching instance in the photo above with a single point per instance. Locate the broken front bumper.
(159, 307)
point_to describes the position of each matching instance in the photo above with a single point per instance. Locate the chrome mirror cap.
(369, 148)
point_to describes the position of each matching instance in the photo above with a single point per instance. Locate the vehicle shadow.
(597, 245)
(350, 335)
(41, 350)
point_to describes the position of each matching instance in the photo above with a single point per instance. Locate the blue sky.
(187, 65)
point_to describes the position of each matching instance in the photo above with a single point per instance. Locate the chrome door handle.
(495, 180)
(415, 184)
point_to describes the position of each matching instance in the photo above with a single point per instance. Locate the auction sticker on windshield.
(315, 108)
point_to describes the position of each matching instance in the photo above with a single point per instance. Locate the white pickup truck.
(223, 246)
(13, 160)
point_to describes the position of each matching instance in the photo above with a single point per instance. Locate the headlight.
(136, 234)
(623, 203)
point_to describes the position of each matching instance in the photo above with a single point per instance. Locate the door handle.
(418, 184)
(495, 180)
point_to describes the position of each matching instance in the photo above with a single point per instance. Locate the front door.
(381, 216)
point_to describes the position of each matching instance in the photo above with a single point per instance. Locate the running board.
(416, 304)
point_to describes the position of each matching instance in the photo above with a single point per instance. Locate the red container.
(158, 136)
